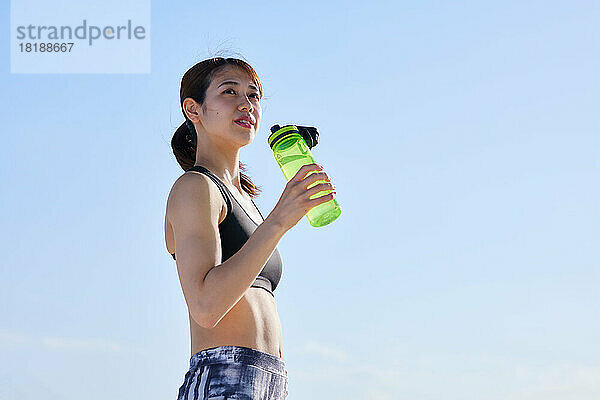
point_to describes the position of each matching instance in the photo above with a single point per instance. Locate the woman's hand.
(295, 200)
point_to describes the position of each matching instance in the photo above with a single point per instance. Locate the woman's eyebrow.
(235, 83)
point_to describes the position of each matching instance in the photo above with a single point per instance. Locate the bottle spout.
(275, 128)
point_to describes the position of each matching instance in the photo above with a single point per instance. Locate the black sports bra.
(235, 230)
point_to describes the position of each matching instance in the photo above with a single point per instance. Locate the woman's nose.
(246, 104)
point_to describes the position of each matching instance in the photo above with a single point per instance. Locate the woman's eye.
(253, 94)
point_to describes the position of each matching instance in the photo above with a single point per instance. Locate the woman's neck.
(225, 168)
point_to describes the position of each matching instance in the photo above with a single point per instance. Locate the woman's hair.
(194, 84)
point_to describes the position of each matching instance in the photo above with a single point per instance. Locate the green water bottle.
(291, 152)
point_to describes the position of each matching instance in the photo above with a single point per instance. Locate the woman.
(226, 252)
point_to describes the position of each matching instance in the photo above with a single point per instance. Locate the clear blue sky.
(463, 138)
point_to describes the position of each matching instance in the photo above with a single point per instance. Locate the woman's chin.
(245, 138)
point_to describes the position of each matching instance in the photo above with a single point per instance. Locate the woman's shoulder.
(192, 180)
(193, 189)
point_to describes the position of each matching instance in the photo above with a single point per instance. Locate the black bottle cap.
(308, 133)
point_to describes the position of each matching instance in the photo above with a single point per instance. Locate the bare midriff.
(253, 322)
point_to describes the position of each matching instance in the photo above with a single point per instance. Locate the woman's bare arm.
(193, 209)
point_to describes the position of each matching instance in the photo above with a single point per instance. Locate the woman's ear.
(192, 110)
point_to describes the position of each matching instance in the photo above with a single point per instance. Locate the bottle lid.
(308, 133)
(278, 133)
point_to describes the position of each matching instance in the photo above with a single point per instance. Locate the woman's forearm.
(225, 284)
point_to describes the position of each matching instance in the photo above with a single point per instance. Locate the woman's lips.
(244, 124)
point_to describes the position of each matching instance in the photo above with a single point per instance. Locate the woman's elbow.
(203, 319)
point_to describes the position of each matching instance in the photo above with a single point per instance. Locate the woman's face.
(232, 94)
